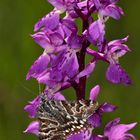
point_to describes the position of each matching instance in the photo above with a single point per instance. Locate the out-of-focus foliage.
(18, 51)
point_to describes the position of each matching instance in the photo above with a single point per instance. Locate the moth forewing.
(60, 119)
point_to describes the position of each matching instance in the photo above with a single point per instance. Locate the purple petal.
(72, 66)
(50, 79)
(69, 27)
(83, 135)
(106, 107)
(97, 4)
(112, 11)
(95, 120)
(94, 92)
(56, 39)
(116, 74)
(74, 41)
(76, 137)
(59, 4)
(96, 32)
(56, 96)
(87, 71)
(67, 63)
(39, 66)
(31, 108)
(48, 41)
(116, 52)
(87, 134)
(98, 137)
(111, 124)
(113, 130)
(116, 49)
(118, 42)
(41, 39)
(33, 128)
(49, 21)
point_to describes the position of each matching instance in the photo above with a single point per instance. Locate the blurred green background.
(18, 51)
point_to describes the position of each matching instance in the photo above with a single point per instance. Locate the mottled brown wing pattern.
(60, 119)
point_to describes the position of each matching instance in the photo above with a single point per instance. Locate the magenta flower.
(111, 54)
(115, 131)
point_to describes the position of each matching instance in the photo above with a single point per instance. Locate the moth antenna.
(43, 97)
(39, 88)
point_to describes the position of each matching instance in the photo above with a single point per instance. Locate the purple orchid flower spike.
(63, 65)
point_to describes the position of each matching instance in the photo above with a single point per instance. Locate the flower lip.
(118, 131)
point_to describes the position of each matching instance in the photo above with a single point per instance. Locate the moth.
(60, 119)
